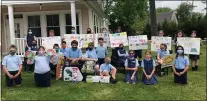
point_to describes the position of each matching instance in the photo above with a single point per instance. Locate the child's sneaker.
(133, 83)
(113, 81)
(127, 82)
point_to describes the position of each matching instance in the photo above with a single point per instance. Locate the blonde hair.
(52, 31)
(108, 58)
(90, 44)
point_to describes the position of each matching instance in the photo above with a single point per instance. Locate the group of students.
(43, 64)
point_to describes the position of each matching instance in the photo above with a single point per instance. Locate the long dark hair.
(181, 49)
(176, 35)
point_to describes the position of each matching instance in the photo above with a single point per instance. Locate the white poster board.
(138, 42)
(157, 40)
(191, 45)
(87, 38)
(72, 74)
(70, 37)
(48, 42)
(97, 79)
(105, 36)
(118, 38)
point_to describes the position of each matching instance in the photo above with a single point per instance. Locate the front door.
(18, 28)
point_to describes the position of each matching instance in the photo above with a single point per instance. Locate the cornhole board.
(72, 74)
(97, 79)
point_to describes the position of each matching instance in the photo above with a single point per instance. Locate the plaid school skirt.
(180, 79)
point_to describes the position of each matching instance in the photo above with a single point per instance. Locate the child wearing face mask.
(160, 55)
(148, 65)
(42, 68)
(89, 31)
(54, 60)
(92, 56)
(106, 69)
(162, 52)
(123, 54)
(73, 31)
(181, 66)
(194, 58)
(12, 67)
(179, 34)
(131, 67)
(34, 46)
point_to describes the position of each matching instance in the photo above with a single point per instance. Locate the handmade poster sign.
(72, 74)
(87, 38)
(51, 52)
(118, 38)
(191, 45)
(70, 37)
(97, 79)
(30, 56)
(48, 42)
(168, 59)
(105, 36)
(138, 42)
(157, 40)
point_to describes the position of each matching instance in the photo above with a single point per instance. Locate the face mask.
(107, 62)
(57, 50)
(41, 52)
(88, 31)
(12, 52)
(74, 48)
(73, 31)
(121, 47)
(30, 33)
(179, 51)
(90, 49)
(162, 49)
(193, 35)
(34, 44)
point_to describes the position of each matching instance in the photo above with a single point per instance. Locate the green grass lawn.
(164, 90)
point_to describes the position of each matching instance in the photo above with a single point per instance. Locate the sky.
(174, 4)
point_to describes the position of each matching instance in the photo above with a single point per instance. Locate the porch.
(41, 16)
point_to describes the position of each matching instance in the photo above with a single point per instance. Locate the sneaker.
(113, 81)
(127, 82)
(133, 83)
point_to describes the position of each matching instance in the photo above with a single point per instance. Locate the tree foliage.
(163, 9)
(126, 13)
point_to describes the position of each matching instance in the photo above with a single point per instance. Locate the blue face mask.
(73, 31)
(179, 51)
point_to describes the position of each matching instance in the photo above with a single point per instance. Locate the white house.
(41, 16)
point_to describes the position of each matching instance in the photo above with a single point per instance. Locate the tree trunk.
(153, 18)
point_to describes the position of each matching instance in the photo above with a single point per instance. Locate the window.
(53, 24)
(69, 24)
(34, 25)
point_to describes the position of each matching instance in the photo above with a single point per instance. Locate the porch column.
(73, 14)
(11, 24)
(90, 16)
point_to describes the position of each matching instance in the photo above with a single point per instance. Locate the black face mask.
(90, 49)
(88, 31)
(74, 48)
(12, 52)
(121, 48)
